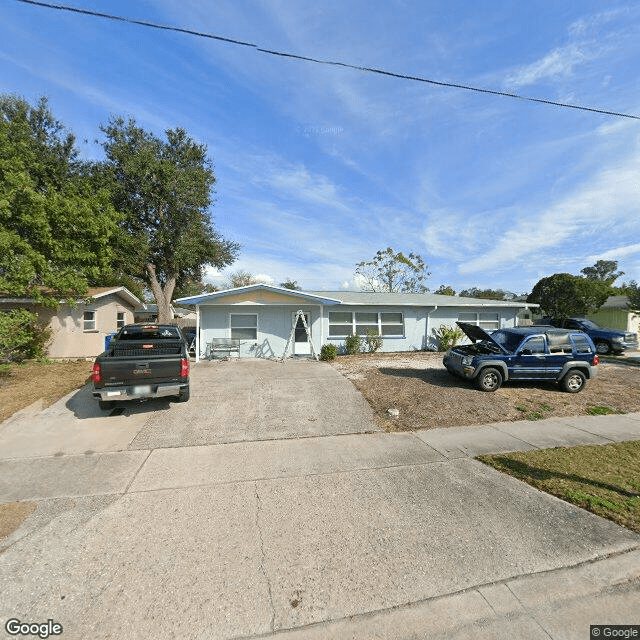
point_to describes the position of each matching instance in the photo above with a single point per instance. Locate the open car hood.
(478, 334)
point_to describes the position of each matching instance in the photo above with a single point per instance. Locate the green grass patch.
(601, 411)
(600, 478)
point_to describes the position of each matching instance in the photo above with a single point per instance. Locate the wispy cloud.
(559, 62)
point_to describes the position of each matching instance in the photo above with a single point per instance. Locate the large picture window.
(346, 323)
(488, 320)
(244, 326)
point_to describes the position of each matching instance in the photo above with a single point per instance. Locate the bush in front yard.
(352, 344)
(373, 341)
(447, 337)
(328, 352)
(21, 336)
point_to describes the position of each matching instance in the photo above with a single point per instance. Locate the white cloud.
(606, 205)
(559, 62)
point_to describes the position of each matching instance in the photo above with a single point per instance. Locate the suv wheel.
(603, 348)
(574, 381)
(489, 379)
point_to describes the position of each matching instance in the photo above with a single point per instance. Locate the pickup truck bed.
(143, 361)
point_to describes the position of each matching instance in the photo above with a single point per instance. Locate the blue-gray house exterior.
(261, 317)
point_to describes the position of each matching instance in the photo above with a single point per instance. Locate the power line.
(333, 63)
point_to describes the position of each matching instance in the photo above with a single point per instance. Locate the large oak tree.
(55, 225)
(163, 189)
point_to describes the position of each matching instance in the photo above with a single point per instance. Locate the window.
(340, 323)
(366, 322)
(535, 345)
(244, 326)
(120, 320)
(346, 323)
(392, 324)
(89, 321)
(582, 344)
(488, 320)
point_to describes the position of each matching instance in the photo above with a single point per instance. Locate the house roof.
(92, 292)
(616, 302)
(359, 298)
(303, 296)
(419, 300)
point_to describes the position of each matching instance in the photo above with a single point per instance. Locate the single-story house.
(148, 312)
(261, 316)
(615, 313)
(79, 330)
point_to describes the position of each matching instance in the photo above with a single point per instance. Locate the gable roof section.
(259, 294)
(92, 292)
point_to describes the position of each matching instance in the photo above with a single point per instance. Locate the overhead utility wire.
(332, 63)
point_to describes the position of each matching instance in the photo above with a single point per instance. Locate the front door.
(301, 344)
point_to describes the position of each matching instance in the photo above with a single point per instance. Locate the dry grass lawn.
(24, 384)
(427, 396)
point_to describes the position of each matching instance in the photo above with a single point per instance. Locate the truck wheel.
(489, 379)
(106, 405)
(183, 396)
(603, 348)
(574, 381)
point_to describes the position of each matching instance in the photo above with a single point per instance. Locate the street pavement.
(271, 504)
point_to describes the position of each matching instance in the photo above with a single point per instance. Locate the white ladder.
(299, 315)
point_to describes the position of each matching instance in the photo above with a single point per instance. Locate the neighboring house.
(147, 312)
(261, 317)
(79, 330)
(615, 313)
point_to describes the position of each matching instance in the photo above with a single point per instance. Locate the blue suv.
(567, 357)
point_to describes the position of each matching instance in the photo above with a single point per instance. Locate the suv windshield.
(508, 340)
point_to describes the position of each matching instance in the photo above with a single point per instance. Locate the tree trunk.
(163, 297)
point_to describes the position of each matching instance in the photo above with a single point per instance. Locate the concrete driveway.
(271, 503)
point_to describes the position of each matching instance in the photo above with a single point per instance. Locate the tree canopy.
(603, 271)
(563, 295)
(393, 272)
(489, 294)
(445, 290)
(162, 188)
(55, 225)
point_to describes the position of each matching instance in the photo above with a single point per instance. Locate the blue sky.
(319, 167)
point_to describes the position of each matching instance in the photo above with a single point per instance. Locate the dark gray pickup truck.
(143, 361)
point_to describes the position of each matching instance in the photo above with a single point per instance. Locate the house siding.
(68, 339)
(274, 327)
(275, 308)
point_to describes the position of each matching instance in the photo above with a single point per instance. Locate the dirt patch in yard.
(22, 385)
(428, 397)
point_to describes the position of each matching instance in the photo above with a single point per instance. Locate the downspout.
(426, 333)
(197, 333)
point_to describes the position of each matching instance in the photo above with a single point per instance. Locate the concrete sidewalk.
(399, 535)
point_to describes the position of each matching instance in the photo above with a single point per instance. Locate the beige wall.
(68, 337)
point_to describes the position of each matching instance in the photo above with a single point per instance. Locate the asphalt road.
(272, 504)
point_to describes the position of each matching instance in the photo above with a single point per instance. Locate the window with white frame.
(244, 326)
(346, 323)
(120, 320)
(488, 320)
(89, 321)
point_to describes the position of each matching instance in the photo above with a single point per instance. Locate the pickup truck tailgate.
(140, 362)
